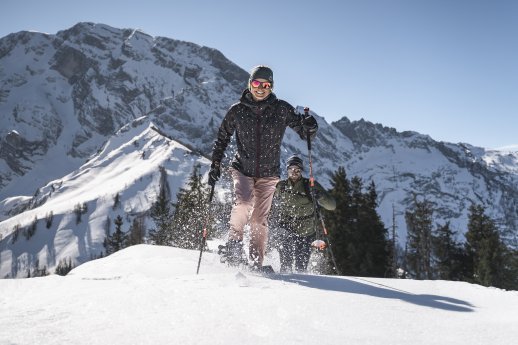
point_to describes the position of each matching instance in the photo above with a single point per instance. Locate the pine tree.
(162, 215)
(191, 209)
(48, 219)
(419, 233)
(485, 249)
(357, 233)
(337, 221)
(374, 234)
(367, 248)
(116, 201)
(15, 233)
(115, 242)
(78, 211)
(136, 232)
(449, 254)
(63, 267)
(37, 271)
(510, 280)
(31, 230)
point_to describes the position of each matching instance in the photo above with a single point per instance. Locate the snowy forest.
(361, 243)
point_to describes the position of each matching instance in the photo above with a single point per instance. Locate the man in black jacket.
(258, 121)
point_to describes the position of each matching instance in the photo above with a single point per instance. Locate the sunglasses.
(263, 84)
(294, 170)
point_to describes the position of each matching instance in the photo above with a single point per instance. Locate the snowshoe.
(265, 270)
(232, 253)
(318, 263)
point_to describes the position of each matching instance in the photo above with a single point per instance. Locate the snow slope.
(152, 295)
(132, 164)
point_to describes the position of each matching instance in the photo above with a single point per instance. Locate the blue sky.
(446, 68)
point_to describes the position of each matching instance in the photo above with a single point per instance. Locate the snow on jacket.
(259, 128)
(293, 208)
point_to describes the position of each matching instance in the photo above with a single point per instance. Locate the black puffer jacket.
(259, 128)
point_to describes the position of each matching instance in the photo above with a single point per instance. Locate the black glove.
(309, 124)
(214, 173)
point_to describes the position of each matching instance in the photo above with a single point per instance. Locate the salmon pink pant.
(253, 200)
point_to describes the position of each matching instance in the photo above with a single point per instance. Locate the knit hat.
(262, 72)
(294, 160)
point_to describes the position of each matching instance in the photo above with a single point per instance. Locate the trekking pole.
(315, 206)
(311, 178)
(326, 236)
(205, 232)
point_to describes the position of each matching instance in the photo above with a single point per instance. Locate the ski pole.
(315, 206)
(205, 232)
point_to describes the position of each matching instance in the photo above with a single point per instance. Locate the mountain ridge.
(64, 97)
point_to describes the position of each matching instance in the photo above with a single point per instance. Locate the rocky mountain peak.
(94, 93)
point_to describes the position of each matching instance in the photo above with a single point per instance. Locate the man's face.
(294, 173)
(260, 89)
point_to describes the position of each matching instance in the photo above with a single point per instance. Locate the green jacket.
(293, 208)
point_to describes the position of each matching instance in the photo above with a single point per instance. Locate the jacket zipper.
(258, 144)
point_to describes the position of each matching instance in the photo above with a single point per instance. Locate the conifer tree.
(367, 249)
(37, 271)
(374, 234)
(419, 238)
(484, 248)
(510, 280)
(448, 254)
(116, 201)
(191, 209)
(162, 215)
(64, 267)
(48, 219)
(115, 242)
(337, 221)
(357, 233)
(136, 232)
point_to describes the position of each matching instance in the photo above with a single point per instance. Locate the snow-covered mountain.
(93, 112)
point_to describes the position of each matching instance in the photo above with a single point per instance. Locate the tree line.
(361, 241)
(363, 247)
(175, 224)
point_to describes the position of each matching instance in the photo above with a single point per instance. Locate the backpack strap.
(282, 186)
(305, 181)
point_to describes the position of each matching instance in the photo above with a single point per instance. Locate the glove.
(214, 173)
(309, 124)
(316, 194)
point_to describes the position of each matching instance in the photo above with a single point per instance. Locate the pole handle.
(306, 114)
(211, 194)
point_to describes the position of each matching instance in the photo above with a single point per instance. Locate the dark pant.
(293, 247)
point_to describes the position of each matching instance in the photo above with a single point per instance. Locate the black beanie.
(294, 160)
(262, 72)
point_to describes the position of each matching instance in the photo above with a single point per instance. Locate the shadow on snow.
(370, 288)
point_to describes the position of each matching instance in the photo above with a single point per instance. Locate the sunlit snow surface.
(152, 295)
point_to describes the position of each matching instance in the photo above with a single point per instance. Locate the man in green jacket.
(295, 218)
